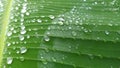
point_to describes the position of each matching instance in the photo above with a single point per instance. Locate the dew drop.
(39, 20)
(46, 38)
(51, 16)
(8, 44)
(17, 51)
(74, 33)
(28, 36)
(91, 56)
(22, 27)
(60, 23)
(23, 31)
(107, 33)
(53, 59)
(21, 37)
(9, 33)
(9, 60)
(61, 19)
(23, 50)
(27, 13)
(22, 59)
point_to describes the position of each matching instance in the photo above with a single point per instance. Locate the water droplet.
(74, 33)
(12, 28)
(8, 44)
(22, 27)
(107, 33)
(23, 10)
(39, 20)
(46, 38)
(60, 23)
(9, 60)
(23, 50)
(44, 62)
(9, 33)
(28, 36)
(61, 19)
(17, 51)
(53, 59)
(22, 59)
(23, 31)
(27, 13)
(51, 16)
(21, 37)
(91, 56)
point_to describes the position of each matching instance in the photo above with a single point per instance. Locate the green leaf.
(59, 34)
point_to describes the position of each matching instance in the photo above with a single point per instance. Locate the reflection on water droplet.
(23, 50)
(9, 60)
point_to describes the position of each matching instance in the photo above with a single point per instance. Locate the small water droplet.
(28, 36)
(9, 60)
(60, 23)
(53, 59)
(23, 31)
(21, 37)
(22, 27)
(44, 62)
(17, 51)
(91, 56)
(107, 33)
(27, 13)
(22, 59)
(39, 20)
(51, 16)
(8, 44)
(46, 38)
(9, 33)
(23, 50)
(74, 33)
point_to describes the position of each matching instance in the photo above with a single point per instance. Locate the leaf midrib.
(5, 22)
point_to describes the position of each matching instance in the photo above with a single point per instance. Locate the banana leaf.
(59, 33)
